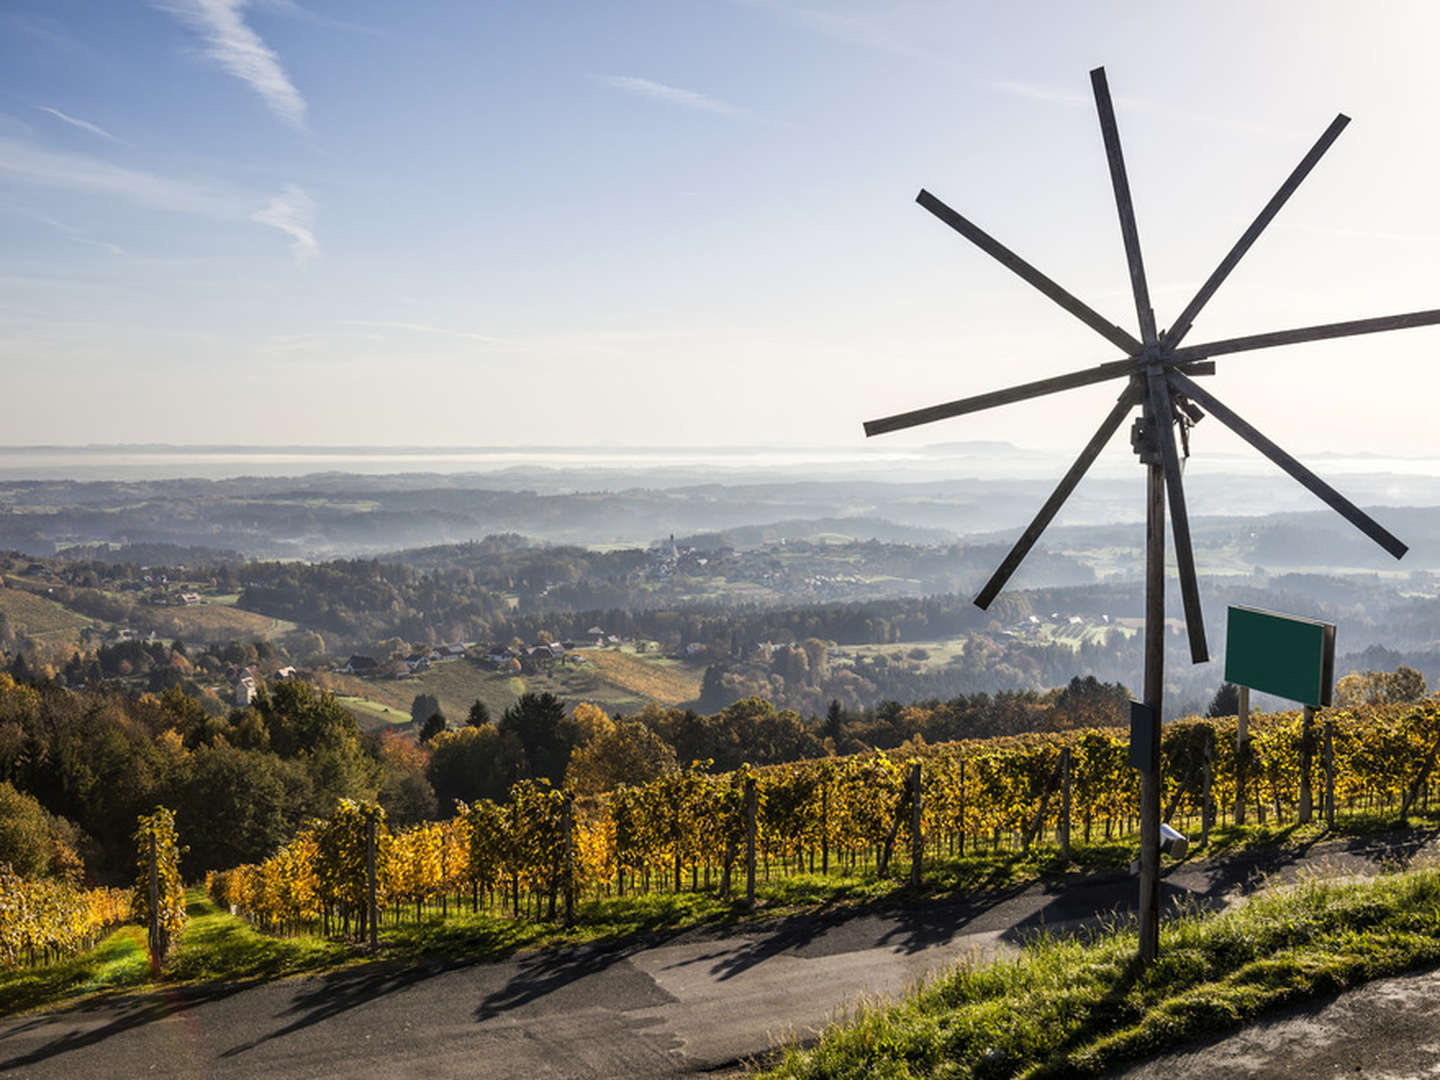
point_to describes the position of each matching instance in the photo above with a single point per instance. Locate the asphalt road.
(695, 1002)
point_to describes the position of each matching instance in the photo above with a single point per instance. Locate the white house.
(244, 692)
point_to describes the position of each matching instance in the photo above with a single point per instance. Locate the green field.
(38, 615)
(209, 622)
(618, 680)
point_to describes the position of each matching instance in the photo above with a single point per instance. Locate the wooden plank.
(1332, 498)
(1116, 369)
(1121, 183)
(992, 247)
(1057, 498)
(1179, 517)
(1309, 333)
(1181, 327)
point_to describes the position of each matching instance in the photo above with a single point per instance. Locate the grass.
(1080, 1007)
(216, 946)
(669, 682)
(208, 622)
(118, 962)
(38, 615)
(611, 678)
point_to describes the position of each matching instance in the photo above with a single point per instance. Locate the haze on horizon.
(313, 222)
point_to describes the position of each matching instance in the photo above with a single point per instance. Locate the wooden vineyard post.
(1207, 783)
(825, 826)
(569, 826)
(1064, 828)
(156, 946)
(1307, 755)
(372, 916)
(1330, 774)
(960, 813)
(1242, 746)
(751, 807)
(917, 841)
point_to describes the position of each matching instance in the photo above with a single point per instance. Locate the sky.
(692, 222)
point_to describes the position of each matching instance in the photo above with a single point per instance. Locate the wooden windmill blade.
(1161, 409)
(988, 244)
(1123, 203)
(1111, 424)
(1182, 323)
(1332, 498)
(1309, 333)
(1115, 369)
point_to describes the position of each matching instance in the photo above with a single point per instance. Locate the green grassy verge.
(119, 962)
(1073, 1007)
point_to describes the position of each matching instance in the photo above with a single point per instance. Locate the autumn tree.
(629, 753)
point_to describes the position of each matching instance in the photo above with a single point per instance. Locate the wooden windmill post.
(1159, 376)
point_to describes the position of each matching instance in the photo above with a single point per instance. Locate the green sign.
(1283, 655)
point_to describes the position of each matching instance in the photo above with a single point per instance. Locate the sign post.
(1289, 657)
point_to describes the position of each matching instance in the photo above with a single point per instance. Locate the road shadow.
(909, 925)
(342, 991)
(541, 975)
(133, 1012)
(1104, 906)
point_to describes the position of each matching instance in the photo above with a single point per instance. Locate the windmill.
(1159, 375)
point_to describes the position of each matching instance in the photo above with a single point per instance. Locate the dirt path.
(1386, 1029)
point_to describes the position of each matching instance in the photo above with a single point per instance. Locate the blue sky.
(686, 222)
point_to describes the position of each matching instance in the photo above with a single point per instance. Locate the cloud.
(884, 32)
(240, 52)
(292, 212)
(671, 95)
(1056, 96)
(83, 125)
(72, 233)
(1037, 92)
(49, 168)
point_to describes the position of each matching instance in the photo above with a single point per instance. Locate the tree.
(405, 791)
(629, 753)
(1088, 702)
(479, 714)
(591, 722)
(1377, 687)
(545, 732)
(1406, 684)
(24, 835)
(1226, 701)
(422, 708)
(474, 763)
(238, 806)
(434, 725)
(834, 720)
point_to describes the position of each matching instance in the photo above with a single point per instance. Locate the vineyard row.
(542, 848)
